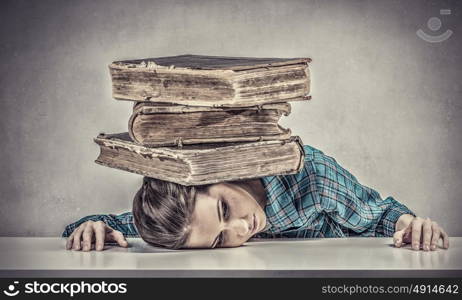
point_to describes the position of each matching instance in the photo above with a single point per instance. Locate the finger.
(445, 239)
(69, 241)
(77, 236)
(427, 234)
(398, 238)
(100, 234)
(118, 237)
(416, 233)
(407, 237)
(87, 237)
(436, 236)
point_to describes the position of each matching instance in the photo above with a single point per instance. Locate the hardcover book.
(202, 163)
(211, 80)
(154, 124)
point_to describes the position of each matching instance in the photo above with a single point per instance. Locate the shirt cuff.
(67, 231)
(391, 216)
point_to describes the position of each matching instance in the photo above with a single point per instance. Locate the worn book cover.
(202, 163)
(211, 80)
(157, 124)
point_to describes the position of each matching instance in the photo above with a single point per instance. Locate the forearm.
(123, 223)
(356, 207)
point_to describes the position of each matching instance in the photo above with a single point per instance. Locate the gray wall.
(386, 104)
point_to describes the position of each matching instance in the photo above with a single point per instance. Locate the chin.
(263, 225)
(262, 220)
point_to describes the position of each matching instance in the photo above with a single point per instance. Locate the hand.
(89, 232)
(421, 232)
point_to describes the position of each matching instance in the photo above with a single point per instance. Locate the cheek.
(241, 202)
(235, 242)
(241, 209)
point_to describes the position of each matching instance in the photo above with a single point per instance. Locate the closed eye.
(225, 210)
(225, 216)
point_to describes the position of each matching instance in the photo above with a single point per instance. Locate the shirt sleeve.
(123, 223)
(358, 210)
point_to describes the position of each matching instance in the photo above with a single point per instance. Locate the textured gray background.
(386, 104)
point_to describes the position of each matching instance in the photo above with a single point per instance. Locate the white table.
(342, 257)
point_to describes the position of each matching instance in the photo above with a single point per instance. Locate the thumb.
(407, 237)
(118, 237)
(398, 238)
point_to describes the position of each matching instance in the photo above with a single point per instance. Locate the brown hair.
(162, 212)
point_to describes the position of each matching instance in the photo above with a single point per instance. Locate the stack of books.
(207, 119)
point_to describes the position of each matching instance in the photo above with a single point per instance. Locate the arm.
(360, 210)
(123, 223)
(368, 214)
(357, 209)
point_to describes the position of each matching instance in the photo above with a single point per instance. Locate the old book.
(202, 163)
(211, 80)
(154, 124)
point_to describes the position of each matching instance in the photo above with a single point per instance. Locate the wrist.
(403, 221)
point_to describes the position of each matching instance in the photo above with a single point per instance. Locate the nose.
(240, 226)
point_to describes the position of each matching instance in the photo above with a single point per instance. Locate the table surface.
(328, 257)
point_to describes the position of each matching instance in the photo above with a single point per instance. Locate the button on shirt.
(322, 200)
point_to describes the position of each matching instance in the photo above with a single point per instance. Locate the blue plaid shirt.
(322, 200)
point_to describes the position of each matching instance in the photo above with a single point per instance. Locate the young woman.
(322, 200)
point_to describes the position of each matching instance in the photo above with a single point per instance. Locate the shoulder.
(317, 156)
(310, 151)
(286, 182)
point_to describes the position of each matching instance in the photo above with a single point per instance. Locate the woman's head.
(162, 212)
(217, 215)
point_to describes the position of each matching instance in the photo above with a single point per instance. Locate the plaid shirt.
(322, 200)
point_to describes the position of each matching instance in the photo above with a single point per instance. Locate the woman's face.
(225, 215)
